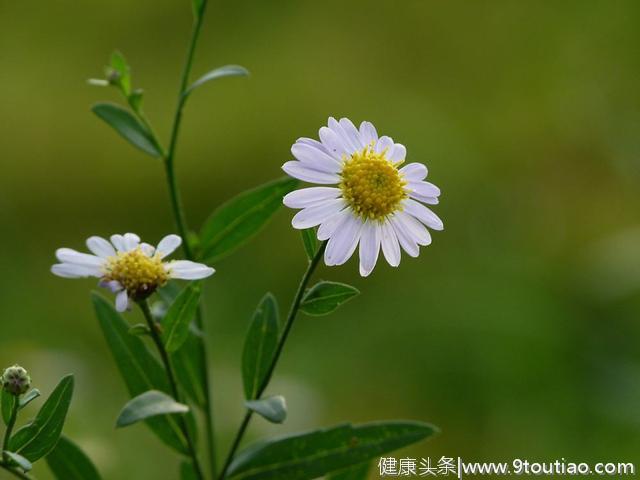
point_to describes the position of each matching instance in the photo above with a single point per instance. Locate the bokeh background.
(516, 332)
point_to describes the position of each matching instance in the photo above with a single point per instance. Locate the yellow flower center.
(138, 273)
(371, 184)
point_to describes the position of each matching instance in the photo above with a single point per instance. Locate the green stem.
(181, 221)
(11, 423)
(293, 311)
(17, 473)
(153, 330)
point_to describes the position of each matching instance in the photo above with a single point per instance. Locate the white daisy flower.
(374, 203)
(129, 268)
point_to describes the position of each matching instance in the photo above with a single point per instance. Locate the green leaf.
(187, 472)
(273, 408)
(39, 437)
(139, 369)
(139, 329)
(313, 454)
(325, 297)
(221, 72)
(242, 217)
(358, 472)
(310, 242)
(120, 74)
(22, 462)
(178, 318)
(68, 462)
(127, 126)
(191, 364)
(197, 7)
(6, 405)
(135, 99)
(146, 405)
(260, 345)
(29, 397)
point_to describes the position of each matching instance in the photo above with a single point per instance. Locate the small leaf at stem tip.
(127, 126)
(179, 316)
(22, 462)
(28, 398)
(37, 438)
(310, 242)
(149, 404)
(68, 462)
(314, 454)
(120, 73)
(139, 329)
(325, 297)
(221, 72)
(241, 218)
(273, 408)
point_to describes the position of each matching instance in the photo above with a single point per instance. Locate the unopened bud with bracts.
(16, 380)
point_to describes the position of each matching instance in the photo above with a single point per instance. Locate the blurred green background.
(516, 332)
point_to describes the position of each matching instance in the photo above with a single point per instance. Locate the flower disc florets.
(138, 273)
(371, 185)
(16, 380)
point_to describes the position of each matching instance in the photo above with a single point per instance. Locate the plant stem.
(293, 311)
(181, 221)
(153, 327)
(17, 473)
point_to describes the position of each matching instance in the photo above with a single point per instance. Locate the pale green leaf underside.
(221, 72)
(273, 409)
(22, 462)
(147, 405)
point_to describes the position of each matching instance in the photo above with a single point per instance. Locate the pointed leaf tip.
(128, 126)
(273, 409)
(147, 405)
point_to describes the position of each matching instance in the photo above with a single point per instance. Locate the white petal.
(313, 143)
(368, 133)
(314, 158)
(122, 301)
(168, 245)
(187, 270)
(101, 247)
(131, 241)
(384, 144)
(312, 216)
(343, 242)
(414, 172)
(342, 135)
(325, 231)
(390, 245)
(424, 189)
(423, 214)
(113, 285)
(427, 200)
(414, 228)
(369, 247)
(333, 143)
(406, 241)
(68, 255)
(308, 197)
(301, 172)
(398, 153)
(68, 270)
(352, 132)
(118, 242)
(148, 250)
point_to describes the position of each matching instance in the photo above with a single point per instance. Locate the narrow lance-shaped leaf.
(325, 297)
(310, 242)
(310, 455)
(22, 462)
(178, 318)
(68, 462)
(39, 437)
(6, 404)
(273, 409)
(187, 472)
(139, 369)
(220, 72)
(127, 126)
(242, 217)
(146, 405)
(260, 345)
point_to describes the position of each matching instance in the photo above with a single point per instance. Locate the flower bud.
(16, 380)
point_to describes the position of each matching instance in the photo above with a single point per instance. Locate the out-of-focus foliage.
(516, 332)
